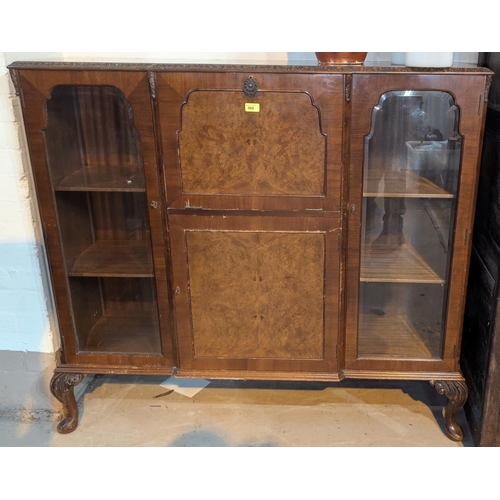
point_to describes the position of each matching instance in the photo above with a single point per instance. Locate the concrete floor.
(123, 411)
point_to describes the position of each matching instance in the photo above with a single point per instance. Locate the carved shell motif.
(454, 390)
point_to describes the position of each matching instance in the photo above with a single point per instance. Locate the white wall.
(24, 302)
(153, 57)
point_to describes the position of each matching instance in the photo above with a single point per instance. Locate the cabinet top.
(361, 68)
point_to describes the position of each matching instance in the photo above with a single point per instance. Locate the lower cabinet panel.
(256, 293)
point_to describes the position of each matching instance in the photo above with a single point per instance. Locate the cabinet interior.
(410, 183)
(95, 164)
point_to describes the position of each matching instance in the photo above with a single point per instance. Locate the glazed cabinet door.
(92, 149)
(415, 142)
(251, 141)
(256, 294)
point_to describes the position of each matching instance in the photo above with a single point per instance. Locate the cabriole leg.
(456, 392)
(62, 387)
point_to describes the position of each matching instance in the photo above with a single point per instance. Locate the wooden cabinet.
(293, 223)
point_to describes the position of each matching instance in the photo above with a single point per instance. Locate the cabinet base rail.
(451, 385)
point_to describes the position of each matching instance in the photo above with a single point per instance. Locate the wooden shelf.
(115, 259)
(391, 336)
(402, 265)
(91, 179)
(401, 184)
(125, 334)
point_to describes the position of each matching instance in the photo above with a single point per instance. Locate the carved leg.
(456, 392)
(62, 387)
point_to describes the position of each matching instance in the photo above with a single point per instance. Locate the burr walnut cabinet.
(256, 222)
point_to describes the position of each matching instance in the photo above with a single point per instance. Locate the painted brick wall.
(24, 302)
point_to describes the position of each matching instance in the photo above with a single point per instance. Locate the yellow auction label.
(252, 107)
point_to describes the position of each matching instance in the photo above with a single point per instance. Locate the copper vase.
(330, 58)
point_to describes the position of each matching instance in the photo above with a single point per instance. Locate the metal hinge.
(193, 207)
(152, 84)
(348, 82)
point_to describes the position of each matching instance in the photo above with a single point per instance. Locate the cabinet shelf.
(114, 259)
(403, 265)
(401, 184)
(391, 336)
(95, 179)
(125, 334)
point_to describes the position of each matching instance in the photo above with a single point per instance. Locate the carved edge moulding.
(157, 67)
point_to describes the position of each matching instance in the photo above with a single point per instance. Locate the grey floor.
(123, 411)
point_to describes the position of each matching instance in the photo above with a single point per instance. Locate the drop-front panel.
(278, 149)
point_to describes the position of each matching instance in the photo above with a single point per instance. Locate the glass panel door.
(410, 179)
(96, 170)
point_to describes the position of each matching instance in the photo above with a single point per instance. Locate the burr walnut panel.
(256, 292)
(225, 149)
(257, 295)
(287, 155)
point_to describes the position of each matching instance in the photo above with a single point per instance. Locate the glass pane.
(96, 169)
(412, 160)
